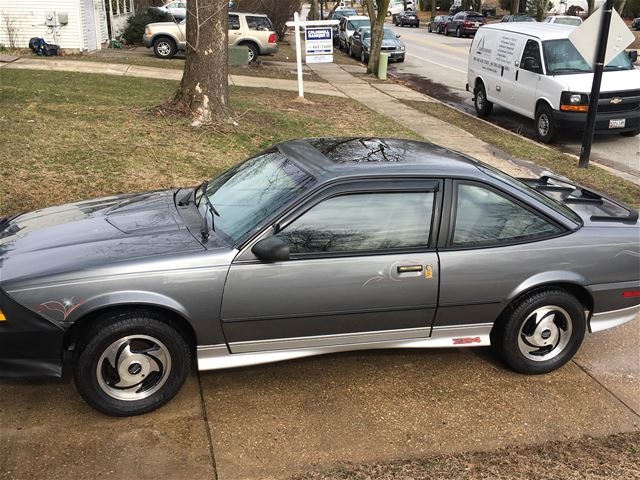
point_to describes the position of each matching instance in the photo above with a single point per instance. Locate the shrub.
(134, 29)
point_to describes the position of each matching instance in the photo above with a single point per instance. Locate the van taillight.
(272, 38)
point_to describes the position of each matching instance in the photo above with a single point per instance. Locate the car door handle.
(409, 268)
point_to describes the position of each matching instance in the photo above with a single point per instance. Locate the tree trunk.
(433, 9)
(313, 10)
(204, 89)
(515, 4)
(591, 7)
(377, 17)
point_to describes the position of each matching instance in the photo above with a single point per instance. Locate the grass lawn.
(606, 458)
(68, 136)
(552, 159)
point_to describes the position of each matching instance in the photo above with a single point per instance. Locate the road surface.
(443, 62)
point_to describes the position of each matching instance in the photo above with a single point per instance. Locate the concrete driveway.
(277, 420)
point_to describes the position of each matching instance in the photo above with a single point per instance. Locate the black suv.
(464, 24)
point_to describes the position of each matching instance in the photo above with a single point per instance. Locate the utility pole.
(598, 69)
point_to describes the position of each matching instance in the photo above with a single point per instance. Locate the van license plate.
(617, 123)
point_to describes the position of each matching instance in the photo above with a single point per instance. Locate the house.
(75, 25)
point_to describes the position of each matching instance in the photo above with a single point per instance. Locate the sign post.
(318, 43)
(613, 37)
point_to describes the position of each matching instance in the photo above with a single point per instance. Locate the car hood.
(611, 81)
(386, 42)
(81, 235)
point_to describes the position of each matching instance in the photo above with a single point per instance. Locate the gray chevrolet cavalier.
(311, 247)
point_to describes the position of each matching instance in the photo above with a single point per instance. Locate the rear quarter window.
(259, 23)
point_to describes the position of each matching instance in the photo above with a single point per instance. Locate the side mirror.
(398, 35)
(271, 249)
(633, 55)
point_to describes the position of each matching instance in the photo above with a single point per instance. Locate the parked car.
(535, 70)
(253, 30)
(408, 17)
(360, 45)
(464, 24)
(311, 247)
(636, 23)
(517, 18)
(347, 26)
(564, 20)
(438, 23)
(398, 6)
(176, 8)
(338, 14)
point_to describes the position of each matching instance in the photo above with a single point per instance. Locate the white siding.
(28, 17)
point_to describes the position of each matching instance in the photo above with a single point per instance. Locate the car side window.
(234, 22)
(362, 222)
(531, 59)
(458, 16)
(259, 23)
(484, 217)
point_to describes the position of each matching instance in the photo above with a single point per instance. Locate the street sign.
(585, 37)
(319, 44)
(297, 23)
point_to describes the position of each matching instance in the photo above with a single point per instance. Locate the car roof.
(358, 17)
(327, 158)
(542, 31)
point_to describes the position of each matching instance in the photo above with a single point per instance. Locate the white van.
(397, 6)
(534, 70)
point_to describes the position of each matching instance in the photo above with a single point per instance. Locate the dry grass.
(68, 136)
(616, 457)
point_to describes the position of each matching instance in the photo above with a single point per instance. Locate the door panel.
(329, 296)
(360, 262)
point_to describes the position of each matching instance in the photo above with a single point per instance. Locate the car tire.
(401, 59)
(363, 56)
(458, 32)
(480, 102)
(541, 332)
(545, 124)
(142, 345)
(253, 51)
(429, 28)
(631, 133)
(350, 51)
(165, 48)
(446, 31)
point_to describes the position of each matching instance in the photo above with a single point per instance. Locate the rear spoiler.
(567, 192)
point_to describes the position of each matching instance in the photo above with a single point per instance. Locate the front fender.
(122, 298)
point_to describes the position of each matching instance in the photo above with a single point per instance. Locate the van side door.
(527, 78)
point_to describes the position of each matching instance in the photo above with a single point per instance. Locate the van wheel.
(164, 47)
(631, 133)
(545, 124)
(483, 106)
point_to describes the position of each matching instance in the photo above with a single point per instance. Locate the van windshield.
(562, 58)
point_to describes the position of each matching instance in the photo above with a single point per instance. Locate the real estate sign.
(319, 44)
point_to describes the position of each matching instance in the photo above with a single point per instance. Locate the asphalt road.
(443, 62)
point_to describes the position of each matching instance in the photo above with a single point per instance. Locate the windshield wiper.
(204, 228)
(568, 69)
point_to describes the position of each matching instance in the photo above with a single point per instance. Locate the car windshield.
(475, 18)
(345, 13)
(248, 193)
(522, 18)
(568, 21)
(562, 58)
(532, 192)
(355, 24)
(388, 34)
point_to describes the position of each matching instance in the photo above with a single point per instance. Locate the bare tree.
(377, 12)
(10, 27)
(591, 7)
(204, 89)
